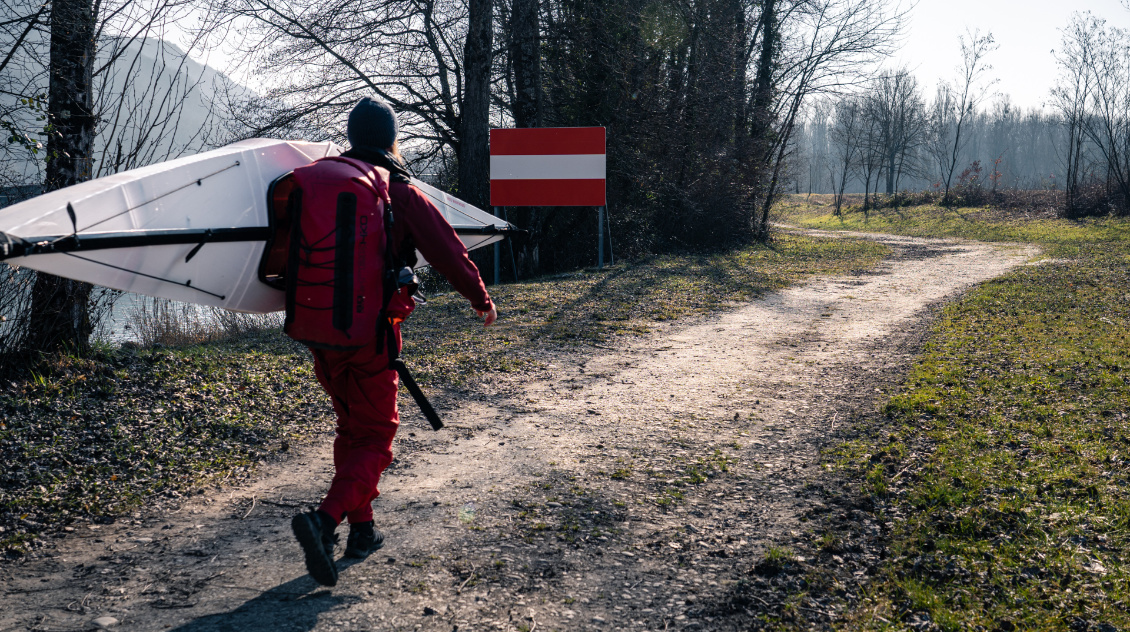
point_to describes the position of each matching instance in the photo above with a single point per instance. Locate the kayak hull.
(192, 229)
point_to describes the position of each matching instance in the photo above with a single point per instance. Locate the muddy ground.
(667, 482)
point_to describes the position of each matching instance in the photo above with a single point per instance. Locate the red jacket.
(417, 222)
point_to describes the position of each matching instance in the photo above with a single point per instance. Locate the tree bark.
(891, 158)
(762, 112)
(474, 150)
(59, 314)
(525, 55)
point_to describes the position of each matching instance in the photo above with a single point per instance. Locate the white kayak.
(193, 229)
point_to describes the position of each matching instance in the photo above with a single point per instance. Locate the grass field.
(93, 438)
(1006, 460)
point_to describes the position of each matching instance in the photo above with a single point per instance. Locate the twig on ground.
(253, 501)
(901, 472)
(465, 581)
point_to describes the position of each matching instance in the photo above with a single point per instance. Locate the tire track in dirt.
(633, 487)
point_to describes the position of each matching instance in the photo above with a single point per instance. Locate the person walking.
(360, 382)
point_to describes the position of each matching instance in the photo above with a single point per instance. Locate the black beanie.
(372, 125)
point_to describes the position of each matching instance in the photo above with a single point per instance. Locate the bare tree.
(831, 44)
(474, 152)
(1108, 121)
(847, 136)
(154, 102)
(897, 107)
(76, 81)
(1070, 95)
(956, 104)
(23, 97)
(818, 142)
(317, 59)
(60, 305)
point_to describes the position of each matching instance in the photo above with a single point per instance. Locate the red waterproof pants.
(363, 390)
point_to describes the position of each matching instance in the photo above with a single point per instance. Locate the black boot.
(315, 532)
(363, 540)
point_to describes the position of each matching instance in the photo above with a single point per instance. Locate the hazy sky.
(1026, 30)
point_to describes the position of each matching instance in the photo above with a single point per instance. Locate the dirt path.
(638, 487)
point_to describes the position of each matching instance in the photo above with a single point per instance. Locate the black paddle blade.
(417, 394)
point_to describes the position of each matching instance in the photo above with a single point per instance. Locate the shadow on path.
(293, 606)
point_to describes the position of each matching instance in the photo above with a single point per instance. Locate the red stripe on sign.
(547, 193)
(535, 141)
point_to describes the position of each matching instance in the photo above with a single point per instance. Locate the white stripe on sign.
(555, 167)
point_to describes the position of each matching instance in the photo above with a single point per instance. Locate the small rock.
(598, 620)
(105, 623)
(553, 504)
(143, 540)
(429, 611)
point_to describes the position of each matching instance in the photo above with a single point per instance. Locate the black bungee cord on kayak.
(12, 246)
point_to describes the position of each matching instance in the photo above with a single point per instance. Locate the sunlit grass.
(980, 224)
(1015, 512)
(590, 307)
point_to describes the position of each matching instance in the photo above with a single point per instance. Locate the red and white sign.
(547, 166)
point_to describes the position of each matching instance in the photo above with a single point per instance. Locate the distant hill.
(155, 103)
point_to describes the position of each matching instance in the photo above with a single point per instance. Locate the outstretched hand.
(491, 316)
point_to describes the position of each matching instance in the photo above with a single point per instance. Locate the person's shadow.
(295, 605)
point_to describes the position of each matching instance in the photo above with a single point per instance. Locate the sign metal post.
(497, 255)
(600, 237)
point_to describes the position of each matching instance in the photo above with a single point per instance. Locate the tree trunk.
(525, 55)
(762, 111)
(525, 59)
(891, 158)
(474, 149)
(59, 314)
(866, 192)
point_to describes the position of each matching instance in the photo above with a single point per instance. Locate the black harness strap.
(387, 333)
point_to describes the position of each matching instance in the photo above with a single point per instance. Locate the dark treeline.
(713, 108)
(701, 98)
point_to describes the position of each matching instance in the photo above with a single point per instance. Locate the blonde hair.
(394, 151)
